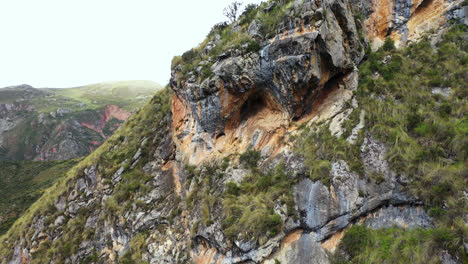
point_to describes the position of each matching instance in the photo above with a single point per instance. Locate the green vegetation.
(426, 133)
(109, 157)
(43, 128)
(248, 207)
(320, 148)
(234, 36)
(395, 245)
(22, 183)
(250, 158)
(134, 254)
(126, 94)
(388, 45)
(129, 95)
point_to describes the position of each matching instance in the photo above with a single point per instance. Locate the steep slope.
(55, 124)
(23, 182)
(283, 142)
(60, 124)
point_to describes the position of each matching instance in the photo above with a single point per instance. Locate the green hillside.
(22, 183)
(41, 126)
(126, 94)
(64, 123)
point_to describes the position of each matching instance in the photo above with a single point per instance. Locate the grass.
(88, 104)
(126, 94)
(124, 143)
(137, 246)
(427, 138)
(231, 39)
(248, 207)
(395, 245)
(426, 132)
(22, 183)
(250, 158)
(320, 148)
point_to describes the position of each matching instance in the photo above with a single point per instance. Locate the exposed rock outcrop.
(160, 192)
(406, 21)
(252, 98)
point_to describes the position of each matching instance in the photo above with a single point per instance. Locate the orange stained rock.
(331, 243)
(297, 33)
(206, 255)
(425, 15)
(291, 238)
(175, 176)
(24, 259)
(111, 111)
(251, 115)
(428, 15)
(378, 23)
(264, 118)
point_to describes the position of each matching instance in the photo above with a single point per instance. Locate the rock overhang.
(272, 87)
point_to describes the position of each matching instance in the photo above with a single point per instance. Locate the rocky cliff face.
(251, 98)
(321, 153)
(407, 21)
(257, 95)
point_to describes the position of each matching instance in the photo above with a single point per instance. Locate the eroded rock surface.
(406, 21)
(305, 73)
(253, 97)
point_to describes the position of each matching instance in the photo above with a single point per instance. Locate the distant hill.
(43, 132)
(65, 123)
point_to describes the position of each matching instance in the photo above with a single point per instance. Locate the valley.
(302, 131)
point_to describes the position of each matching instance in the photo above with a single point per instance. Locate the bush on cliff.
(418, 108)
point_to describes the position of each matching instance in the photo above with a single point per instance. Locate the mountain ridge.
(362, 162)
(66, 123)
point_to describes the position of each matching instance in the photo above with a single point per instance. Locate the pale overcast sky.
(65, 43)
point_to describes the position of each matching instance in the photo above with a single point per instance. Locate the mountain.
(304, 132)
(53, 127)
(60, 124)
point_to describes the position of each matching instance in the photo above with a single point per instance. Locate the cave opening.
(253, 105)
(425, 4)
(319, 95)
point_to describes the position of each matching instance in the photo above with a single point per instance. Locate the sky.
(68, 43)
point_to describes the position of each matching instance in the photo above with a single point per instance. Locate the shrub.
(250, 158)
(423, 131)
(248, 14)
(189, 56)
(232, 189)
(248, 208)
(355, 239)
(389, 44)
(253, 46)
